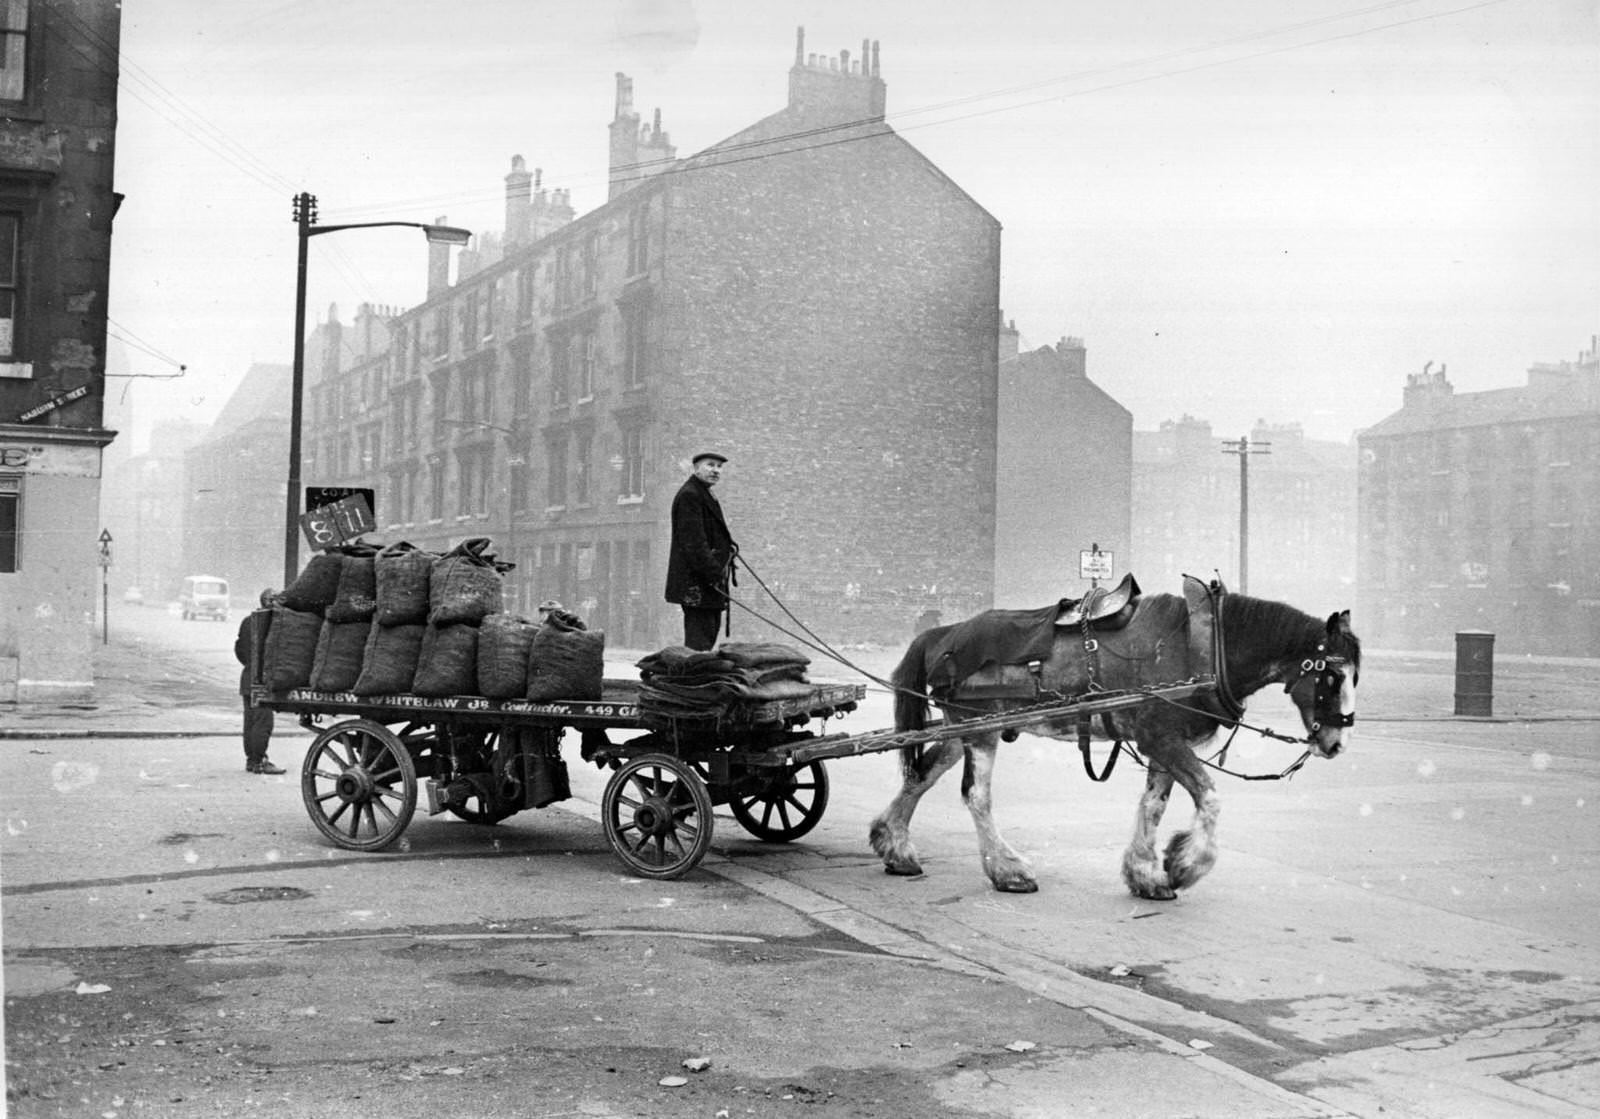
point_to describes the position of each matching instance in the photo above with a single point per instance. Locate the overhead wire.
(725, 153)
(127, 337)
(171, 108)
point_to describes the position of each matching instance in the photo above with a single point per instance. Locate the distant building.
(1302, 513)
(58, 121)
(812, 297)
(143, 499)
(232, 488)
(1065, 477)
(1478, 513)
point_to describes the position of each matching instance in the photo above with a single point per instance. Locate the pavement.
(983, 1043)
(141, 690)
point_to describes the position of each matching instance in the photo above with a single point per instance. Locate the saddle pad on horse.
(1010, 637)
(1153, 647)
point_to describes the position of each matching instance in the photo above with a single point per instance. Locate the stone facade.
(58, 117)
(1478, 513)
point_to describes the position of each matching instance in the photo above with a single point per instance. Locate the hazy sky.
(1246, 208)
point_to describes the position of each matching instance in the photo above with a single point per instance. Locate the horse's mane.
(1281, 630)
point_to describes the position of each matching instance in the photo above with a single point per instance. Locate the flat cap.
(703, 455)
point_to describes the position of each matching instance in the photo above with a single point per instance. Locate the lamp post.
(305, 219)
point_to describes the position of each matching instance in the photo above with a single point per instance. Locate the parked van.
(204, 596)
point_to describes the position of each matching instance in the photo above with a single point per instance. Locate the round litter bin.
(1474, 672)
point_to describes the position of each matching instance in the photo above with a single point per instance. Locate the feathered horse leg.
(1191, 854)
(1008, 870)
(1145, 876)
(920, 769)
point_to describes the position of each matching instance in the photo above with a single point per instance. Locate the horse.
(1242, 643)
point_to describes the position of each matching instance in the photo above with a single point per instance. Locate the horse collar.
(1232, 709)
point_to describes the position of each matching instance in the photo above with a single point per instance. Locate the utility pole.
(1244, 449)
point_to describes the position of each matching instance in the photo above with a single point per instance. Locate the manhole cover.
(258, 893)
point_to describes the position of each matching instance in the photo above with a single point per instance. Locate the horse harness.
(1105, 609)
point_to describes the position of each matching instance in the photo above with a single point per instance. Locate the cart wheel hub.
(355, 784)
(654, 817)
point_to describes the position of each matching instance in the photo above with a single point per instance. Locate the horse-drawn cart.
(483, 760)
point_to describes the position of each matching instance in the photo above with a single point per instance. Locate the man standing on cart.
(700, 560)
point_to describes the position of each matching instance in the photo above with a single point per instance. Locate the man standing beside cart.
(257, 720)
(700, 560)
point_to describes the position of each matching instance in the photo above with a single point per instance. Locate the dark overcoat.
(702, 549)
(242, 643)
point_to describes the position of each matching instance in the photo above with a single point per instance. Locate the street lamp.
(305, 219)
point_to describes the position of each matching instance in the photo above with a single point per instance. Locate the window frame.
(11, 488)
(630, 485)
(11, 349)
(26, 32)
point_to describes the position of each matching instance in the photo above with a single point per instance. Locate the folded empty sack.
(761, 654)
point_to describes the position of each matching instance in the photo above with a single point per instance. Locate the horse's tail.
(910, 680)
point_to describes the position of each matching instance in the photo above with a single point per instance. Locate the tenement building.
(812, 297)
(58, 119)
(1478, 513)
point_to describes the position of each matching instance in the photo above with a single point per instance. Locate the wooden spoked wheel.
(359, 785)
(786, 806)
(657, 816)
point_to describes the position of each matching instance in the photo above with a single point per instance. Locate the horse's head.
(1323, 686)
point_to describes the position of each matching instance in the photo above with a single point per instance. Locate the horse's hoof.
(1146, 882)
(1017, 886)
(903, 870)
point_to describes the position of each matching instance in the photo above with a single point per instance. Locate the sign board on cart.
(329, 526)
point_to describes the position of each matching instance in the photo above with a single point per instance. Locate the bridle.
(1326, 672)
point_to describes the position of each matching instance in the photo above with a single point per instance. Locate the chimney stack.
(438, 264)
(624, 138)
(637, 151)
(834, 90)
(519, 186)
